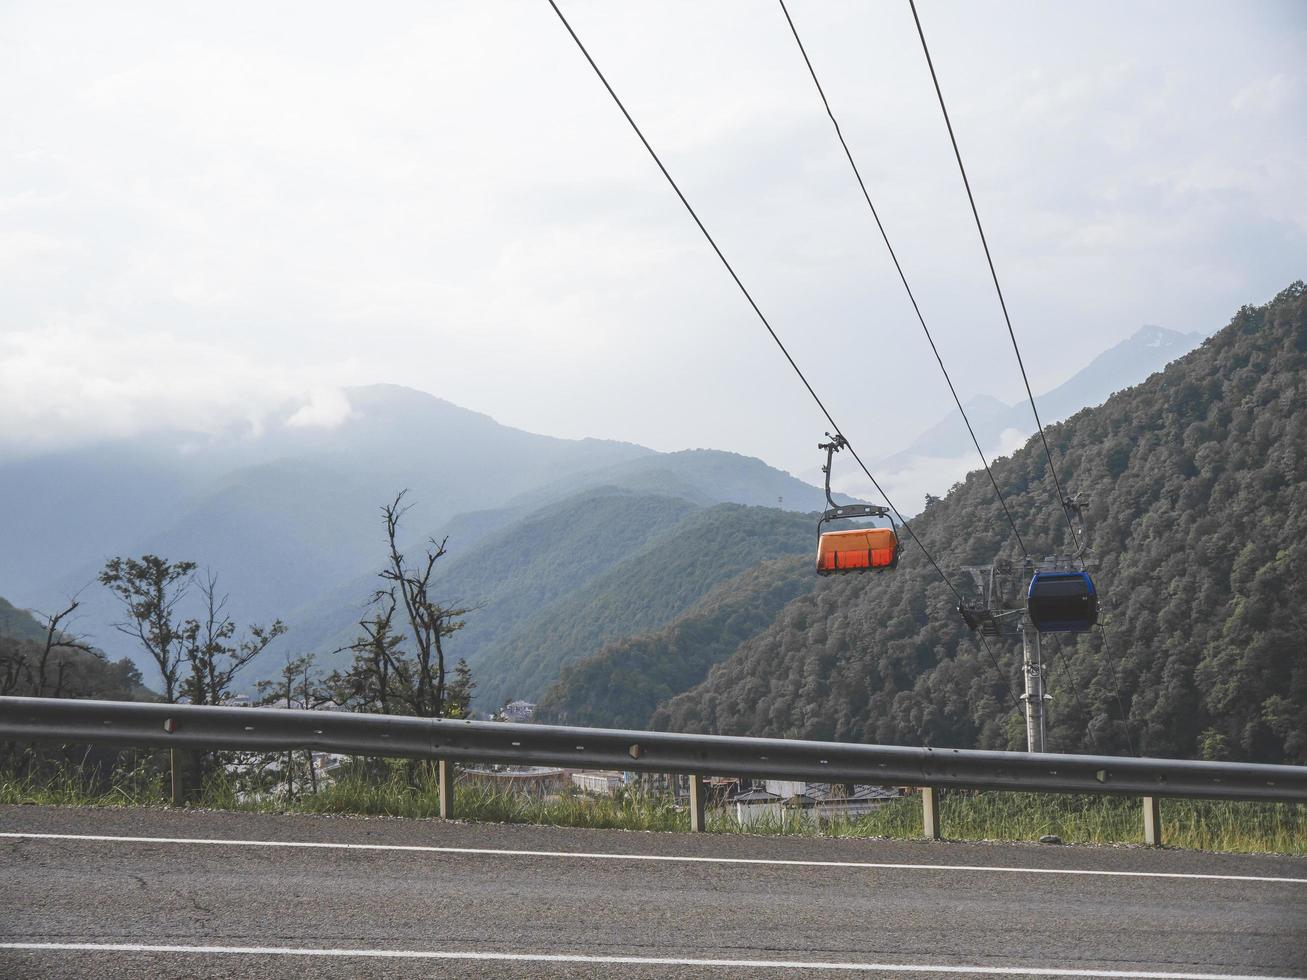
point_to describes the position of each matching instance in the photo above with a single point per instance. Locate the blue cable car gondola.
(1062, 602)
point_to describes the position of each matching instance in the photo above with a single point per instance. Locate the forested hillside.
(650, 587)
(1197, 481)
(622, 684)
(36, 663)
(18, 624)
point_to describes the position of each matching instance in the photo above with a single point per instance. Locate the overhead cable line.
(902, 276)
(762, 317)
(1061, 495)
(1043, 438)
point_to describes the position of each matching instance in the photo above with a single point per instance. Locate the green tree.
(149, 589)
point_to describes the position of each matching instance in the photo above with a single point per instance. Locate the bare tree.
(15, 666)
(297, 686)
(369, 682)
(429, 622)
(57, 640)
(211, 650)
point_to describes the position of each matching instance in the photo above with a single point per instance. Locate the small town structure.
(539, 781)
(773, 799)
(601, 782)
(518, 711)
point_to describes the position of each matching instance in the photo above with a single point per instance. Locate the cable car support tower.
(1004, 588)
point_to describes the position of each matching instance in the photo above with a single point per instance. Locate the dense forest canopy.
(652, 585)
(623, 684)
(1197, 488)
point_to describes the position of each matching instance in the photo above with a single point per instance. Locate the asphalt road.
(228, 895)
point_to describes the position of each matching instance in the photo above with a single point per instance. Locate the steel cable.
(1061, 495)
(902, 276)
(766, 324)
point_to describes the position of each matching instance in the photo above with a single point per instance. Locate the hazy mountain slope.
(329, 618)
(705, 476)
(1128, 363)
(64, 509)
(194, 492)
(1198, 479)
(323, 622)
(18, 624)
(649, 588)
(280, 515)
(622, 684)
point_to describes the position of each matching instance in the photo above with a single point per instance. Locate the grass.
(410, 790)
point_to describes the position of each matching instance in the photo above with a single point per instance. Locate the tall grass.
(411, 790)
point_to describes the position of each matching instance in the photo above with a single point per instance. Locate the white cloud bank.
(327, 408)
(206, 210)
(78, 381)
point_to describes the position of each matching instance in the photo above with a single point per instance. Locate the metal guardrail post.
(1152, 821)
(930, 813)
(698, 803)
(178, 775)
(445, 776)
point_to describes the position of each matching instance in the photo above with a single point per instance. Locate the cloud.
(1266, 95)
(80, 380)
(199, 220)
(327, 408)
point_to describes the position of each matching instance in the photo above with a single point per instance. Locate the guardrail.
(190, 727)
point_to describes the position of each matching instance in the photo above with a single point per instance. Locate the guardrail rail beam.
(190, 728)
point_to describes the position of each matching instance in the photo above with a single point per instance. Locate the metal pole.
(1152, 821)
(698, 800)
(930, 813)
(445, 777)
(175, 763)
(1034, 696)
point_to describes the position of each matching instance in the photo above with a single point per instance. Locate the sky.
(207, 210)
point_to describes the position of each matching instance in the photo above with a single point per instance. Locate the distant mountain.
(622, 684)
(1197, 482)
(280, 515)
(944, 452)
(704, 476)
(288, 516)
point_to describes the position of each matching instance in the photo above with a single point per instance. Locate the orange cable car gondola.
(860, 549)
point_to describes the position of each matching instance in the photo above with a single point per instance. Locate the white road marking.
(407, 954)
(669, 858)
